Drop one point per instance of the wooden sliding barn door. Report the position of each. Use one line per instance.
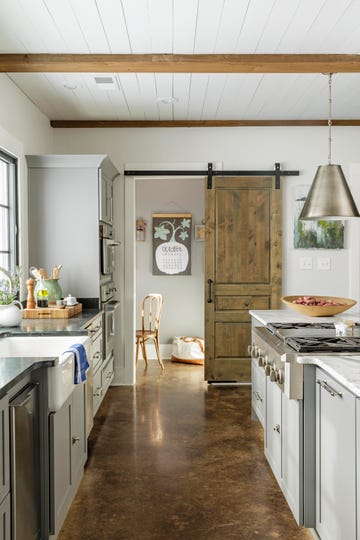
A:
(242, 269)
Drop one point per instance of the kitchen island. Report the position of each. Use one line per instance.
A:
(308, 402)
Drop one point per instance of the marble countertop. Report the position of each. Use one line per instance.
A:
(287, 315)
(47, 327)
(344, 368)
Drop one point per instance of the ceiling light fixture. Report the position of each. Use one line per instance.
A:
(169, 100)
(329, 196)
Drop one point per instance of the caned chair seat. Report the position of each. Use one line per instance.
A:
(150, 323)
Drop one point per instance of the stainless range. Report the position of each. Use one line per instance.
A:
(277, 345)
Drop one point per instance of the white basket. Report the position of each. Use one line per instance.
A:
(188, 349)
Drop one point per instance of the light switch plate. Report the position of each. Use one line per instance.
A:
(306, 263)
(324, 263)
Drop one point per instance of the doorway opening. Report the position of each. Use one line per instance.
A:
(183, 309)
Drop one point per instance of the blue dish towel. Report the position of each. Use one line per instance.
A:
(81, 362)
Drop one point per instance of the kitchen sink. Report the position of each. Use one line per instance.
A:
(61, 375)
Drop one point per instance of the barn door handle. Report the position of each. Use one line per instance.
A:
(209, 282)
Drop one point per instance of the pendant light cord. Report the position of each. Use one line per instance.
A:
(330, 117)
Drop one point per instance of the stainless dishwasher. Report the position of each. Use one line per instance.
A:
(25, 495)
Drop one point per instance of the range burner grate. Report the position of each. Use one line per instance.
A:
(319, 344)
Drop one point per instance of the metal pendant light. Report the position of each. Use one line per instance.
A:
(329, 196)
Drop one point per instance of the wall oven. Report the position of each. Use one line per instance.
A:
(107, 249)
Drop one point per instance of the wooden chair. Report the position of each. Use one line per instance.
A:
(150, 323)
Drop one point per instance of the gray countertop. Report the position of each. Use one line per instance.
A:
(47, 327)
(14, 369)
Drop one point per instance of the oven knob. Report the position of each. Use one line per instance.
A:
(280, 376)
(267, 369)
(273, 375)
(261, 361)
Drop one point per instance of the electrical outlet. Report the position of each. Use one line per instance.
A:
(324, 263)
(306, 263)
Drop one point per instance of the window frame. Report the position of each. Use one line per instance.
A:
(12, 207)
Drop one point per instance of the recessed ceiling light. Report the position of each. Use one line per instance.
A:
(70, 87)
(105, 83)
(167, 100)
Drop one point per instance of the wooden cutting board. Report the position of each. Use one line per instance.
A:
(52, 312)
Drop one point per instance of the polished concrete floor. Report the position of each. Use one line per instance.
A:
(175, 459)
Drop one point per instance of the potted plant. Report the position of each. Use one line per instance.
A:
(10, 307)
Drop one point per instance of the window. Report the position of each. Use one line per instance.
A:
(8, 211)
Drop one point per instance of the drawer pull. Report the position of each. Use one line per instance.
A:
(96, 355)
(258, 397)
(277, 428)
(94, 330)
(334, 393)
(75, 439)
(110, 374)
(98, 391)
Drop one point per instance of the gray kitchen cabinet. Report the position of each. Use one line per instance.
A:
(95, 360)
(4, 448)
(67, 192)
(68, 452)
(335, 460)
(5, 518)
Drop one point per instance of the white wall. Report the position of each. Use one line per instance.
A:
(183, 295)
(300, 148)
(23, 130)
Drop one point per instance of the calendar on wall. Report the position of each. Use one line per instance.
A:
(171, 244)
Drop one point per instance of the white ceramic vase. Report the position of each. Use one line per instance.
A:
(10, 314)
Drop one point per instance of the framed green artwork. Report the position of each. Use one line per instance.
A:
(321, 234)
(171, 244)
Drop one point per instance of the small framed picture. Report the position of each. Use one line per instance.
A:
(199, 233)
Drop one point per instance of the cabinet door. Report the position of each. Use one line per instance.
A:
(273, 427)
(107, 374)
(97, 390)
(335, 460)
(5, 519)
(78, 431)
(258, 391)
(292, 455)
(4, 448)
(60, 465)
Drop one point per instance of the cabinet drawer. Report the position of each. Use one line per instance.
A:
(108, 374)
(96, 352)
(94, 327)
(97, 391)
(5, 517)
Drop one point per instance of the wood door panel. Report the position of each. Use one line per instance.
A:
(243, 263)
(243, 242)
(224, 370)
(232, 339)
(231, 303)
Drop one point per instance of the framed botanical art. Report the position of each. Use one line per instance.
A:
(171, 244)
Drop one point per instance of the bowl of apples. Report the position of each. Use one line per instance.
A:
(318, 306)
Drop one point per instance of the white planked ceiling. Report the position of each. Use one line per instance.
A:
(184, 27)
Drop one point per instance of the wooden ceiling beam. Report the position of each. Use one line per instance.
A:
(180, 63)
(195, 123)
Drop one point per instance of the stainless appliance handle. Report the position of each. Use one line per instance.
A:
(334, 393)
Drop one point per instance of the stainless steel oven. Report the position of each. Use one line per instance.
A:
(108, 249)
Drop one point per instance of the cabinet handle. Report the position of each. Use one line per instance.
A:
(94, 330)
(110, 374)
(258, 397)
(277, 428)
(334, 393)
(96, 355)
(98, 391)
(209, 282)
(75, 439)
(250, 350)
